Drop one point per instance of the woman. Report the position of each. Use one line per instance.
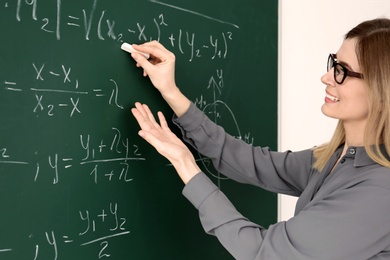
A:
(343, 186)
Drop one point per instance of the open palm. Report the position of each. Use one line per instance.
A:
(159, 135)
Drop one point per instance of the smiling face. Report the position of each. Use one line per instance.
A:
(347, 101)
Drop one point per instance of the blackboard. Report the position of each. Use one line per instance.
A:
(76, 181)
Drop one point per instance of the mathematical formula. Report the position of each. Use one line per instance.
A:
(108, 220)
(95, 24)
(58, 92)
(64, 86)
(121, 151)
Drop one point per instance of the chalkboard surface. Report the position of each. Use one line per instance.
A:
(76, 181)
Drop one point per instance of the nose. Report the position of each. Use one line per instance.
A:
(328, 78)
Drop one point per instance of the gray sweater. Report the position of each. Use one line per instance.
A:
(340, 215)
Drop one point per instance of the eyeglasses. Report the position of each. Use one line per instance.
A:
(340, 71)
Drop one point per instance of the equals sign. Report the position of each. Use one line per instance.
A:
(98, 92)
(67, 160)
(67, 240)
(11, 84)
(75, 19)
(63, 105)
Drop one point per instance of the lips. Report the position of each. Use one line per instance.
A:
(332, 98)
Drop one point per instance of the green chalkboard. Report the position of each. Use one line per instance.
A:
(76, 181)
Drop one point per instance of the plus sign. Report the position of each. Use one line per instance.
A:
(103, 215)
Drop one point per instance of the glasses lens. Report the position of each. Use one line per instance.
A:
(339, 73)
(330, 63)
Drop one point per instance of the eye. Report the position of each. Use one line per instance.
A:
(339, 69)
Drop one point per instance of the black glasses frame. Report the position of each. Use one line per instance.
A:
(332, 62)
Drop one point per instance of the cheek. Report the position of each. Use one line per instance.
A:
(359, 104)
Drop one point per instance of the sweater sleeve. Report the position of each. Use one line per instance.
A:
(336, 228)
(287, 172)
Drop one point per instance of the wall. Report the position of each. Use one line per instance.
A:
(308, 32)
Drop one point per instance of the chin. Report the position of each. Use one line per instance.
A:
(328, 112)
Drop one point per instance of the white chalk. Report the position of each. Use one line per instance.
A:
(127, 47)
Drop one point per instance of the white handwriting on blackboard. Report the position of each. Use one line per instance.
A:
(107, 221)
(214, 110)
(184, 40)
(67, 86)
(120, 150)
(59, 91)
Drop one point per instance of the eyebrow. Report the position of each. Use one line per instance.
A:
(343, 63)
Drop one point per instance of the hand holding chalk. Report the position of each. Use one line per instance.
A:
(160, 68)
(161, 71)
(127, 47)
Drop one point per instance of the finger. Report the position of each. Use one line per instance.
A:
(141, 60)
(147, 121)
(154, 48)
(150, 116)
(142, 120)
(141, 109)
(163, 121)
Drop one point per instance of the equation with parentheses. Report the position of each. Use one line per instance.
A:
(97, 20)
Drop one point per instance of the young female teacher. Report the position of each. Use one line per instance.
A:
(343, 211)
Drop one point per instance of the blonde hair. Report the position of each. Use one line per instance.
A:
(373, 53)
